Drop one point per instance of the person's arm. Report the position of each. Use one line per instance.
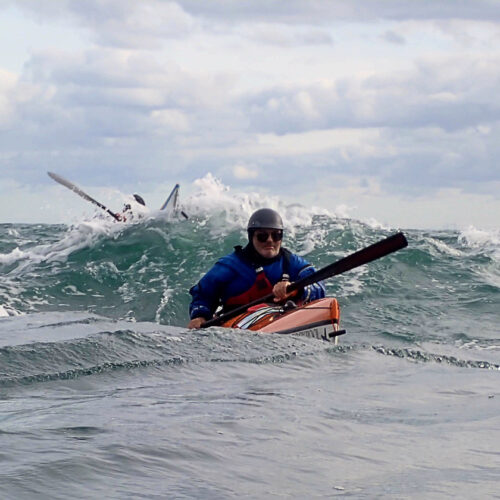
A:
(207, 294)
(300, 269)
(202, 305)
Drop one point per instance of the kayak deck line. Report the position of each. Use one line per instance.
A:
(318, 319)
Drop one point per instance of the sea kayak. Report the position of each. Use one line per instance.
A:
(318, 319)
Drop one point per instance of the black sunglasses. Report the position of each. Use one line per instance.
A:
(263, 236)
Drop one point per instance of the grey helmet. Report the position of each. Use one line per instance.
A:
(265, 218)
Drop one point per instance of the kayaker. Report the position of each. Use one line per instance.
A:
(261, 267)
(127, 209)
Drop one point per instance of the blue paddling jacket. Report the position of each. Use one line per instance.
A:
(244, 275)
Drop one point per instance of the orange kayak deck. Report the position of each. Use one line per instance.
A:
(318, 319)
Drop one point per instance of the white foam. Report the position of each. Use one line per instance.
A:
(13, 256)
(486, 242)
(165, 299)
(492, 278)
(352, 282)
(6, 311)
(375, 224)
(442, 247)
(77, 237)
(474, 238)
(232, 209)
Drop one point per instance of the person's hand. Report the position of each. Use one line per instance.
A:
(279, 291)
(196, 323)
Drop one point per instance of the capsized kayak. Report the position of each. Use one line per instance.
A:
(172, 202)
(319, 319)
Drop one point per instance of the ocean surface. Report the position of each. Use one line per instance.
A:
(105, 394)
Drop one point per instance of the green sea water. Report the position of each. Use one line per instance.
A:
(104, 393)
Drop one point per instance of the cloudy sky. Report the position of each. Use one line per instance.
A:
(388, 107)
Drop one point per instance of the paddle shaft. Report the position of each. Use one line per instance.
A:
(79, 192)
(359, 258)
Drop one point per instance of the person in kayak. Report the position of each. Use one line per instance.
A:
(262, 267)
(127, 209)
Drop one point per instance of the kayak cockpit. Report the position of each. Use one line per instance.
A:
(318, 319)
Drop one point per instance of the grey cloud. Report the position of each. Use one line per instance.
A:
(318, 11)
(99, 110)
(115, 117)
(122, 115)
(130, 24)
(450, 94)
(416, 163)
(393, 37)
(439, 125)
(430, 159)
(285, 36)
(146, 24)
(113, 78)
